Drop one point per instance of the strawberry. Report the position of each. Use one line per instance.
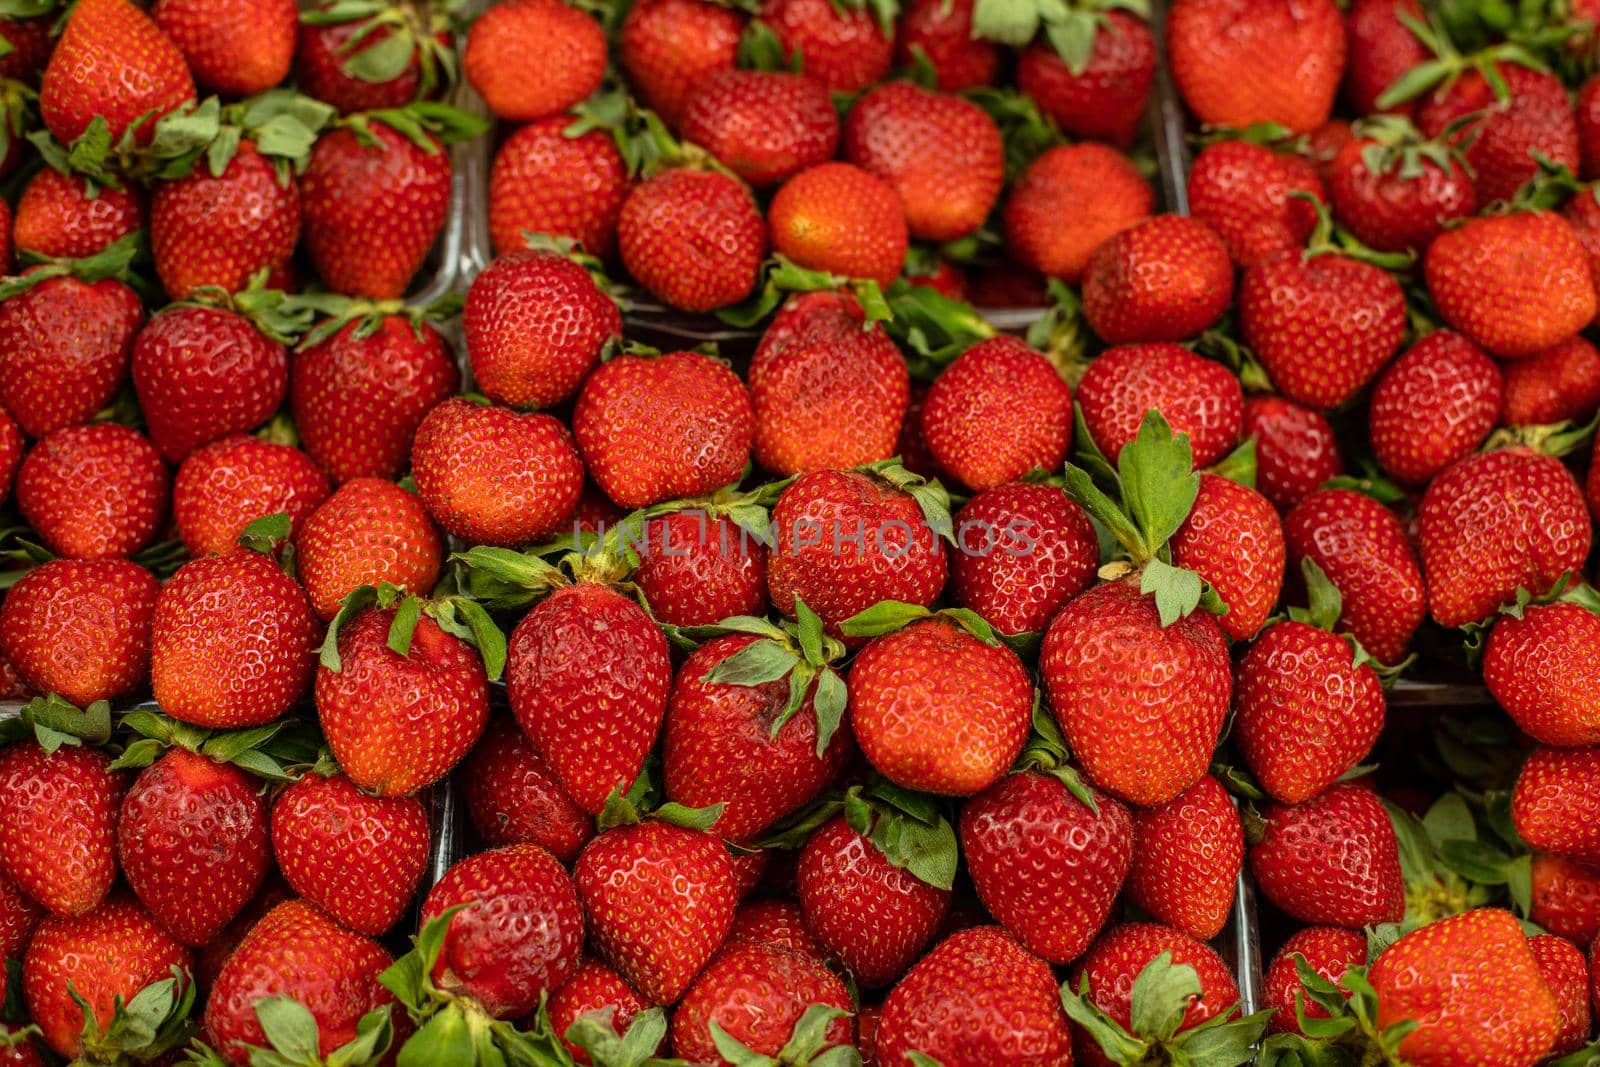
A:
(1566, 975)
(1566, 898)
(208, 960)
(80, 628)
(1069, 200)
(65, 216)
(192, 838)
(223, 487)
(30, 41)
(997, 412)
(358, 857)
(841, 219)
(1333, 859)
(545, 180)
(1242, 191)
(1100, 93)
(231, 642)
(11, 446)
(697, 568)
(828, 391)
(1554, 804)
(1393, 190)
(1558, 384)
(96, 963)
(941, 154)
(1530, 113)
(942, 32)
(1047, 863)
(358, 397)
(777, 924)
(111, 62)
(371, 56)
(495, 476)
(977, 998)
(1516, 284)
(594, 987)
(872, 916)
(513, 796)
(369, 532)
(1024, 550)
(1362, 548)
(1382, 48)
(296, 951)
(1432, 406)
(1187, 854)
(373, 200)
(401, 699)
(765, 126)
(58, 824)
(234, 48)
(759, 995)
(530, 59)
(629, 876)
(1539, 663)
(1329, 951)
(19, 915)
(1588, 117)
(1251, 61)
(1495, 522)
(1163, 279)
(1232, 538)
(693, 238)
(93, 492)
(846, 47)
(669, 47)
(1197, 397)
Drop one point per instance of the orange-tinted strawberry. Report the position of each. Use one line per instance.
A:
(942, 31)
(757, 994)
(546, 181)
(530, 59)
(491, 475)
(697, 568)
(594, 987)
(1394, 191)
(1566, 898)
(80, 628)
(369, 532)
(844, 46)
(342, 55)
(1556, 803)
(1382, 48)
(1542, 664)
(1242, 191)
(1232, 538)
(1197, 397)
(1558, 384)
(1249, 61)
(693, 238)
(1187, 854)
(114, 63)
(996, 413)
(1069, 200)
(1535, 117)
(838, 218)
(223, 487)
(1164, 279)
(1330, 951)
(1566, 975)
(668, 47)
(236, 47)
(1332, 859)
(65, 216)
(1102, 95)
(1022, 551)
(513, 797)
(765, 126)
(1432, 406)
(93, 492)
(64, 346)
(58, 824)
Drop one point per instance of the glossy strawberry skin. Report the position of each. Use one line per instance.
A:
(1331, 860)
(1566, 975)
(1232, 538)
(839, 218)
(696, 569)
(1023, 551)
(1391, 210)
(111, 61)
(58, 818)
(322, 53)
(1433, 405)
(18, 917)
(943, 32)
(97, 491)
(1187, 855)
(1242, 190)
(1330, 951)
(514, 797)
(1555, 805)
(64, 349)
(1164, 279)
(778, 923)
(1536, 116)
(668, 47)
(843, 48)
(1543, 667)
(1106, 99)
(544, 181)
(1566, 898)
(757, 993)
(236, 47)
(57, 217)
(693, 238)
(1197, 397)
(1067, 202)
(224, 486)
(1558, 384)
(368, 532)
(531, 59)
(765, 126)
(80, 628)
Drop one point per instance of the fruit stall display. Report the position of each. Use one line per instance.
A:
(799, 532)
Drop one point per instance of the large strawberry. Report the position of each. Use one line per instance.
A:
(841, 219)
(1540, 663)
(58, 824)
(1196, 396)
(670, 47)
(369, 532)
(1242, 190)
(374, 55)
(1232, 538)
(94, 492)
(1067, 201)
(80, 628)
(223, 487)
(112, 62)
(1097, 88)
(1333, 859)
(1023, 551)
(1186, 859)
(513, 797)
(547, 181)
(768, 999)
(1253, 61)
(845, 46)
(234, 47)
(765, 126)
(1164, 279)
(530, 59)
(694, 238)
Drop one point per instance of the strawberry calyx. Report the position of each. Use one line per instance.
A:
(1563, 591)
(1556, 439)
(931, 328)
(912, 830)
(1370, 483)
(1062, 333)
(571, 248)
(932, 498)
(1162, 994)
(1328, 238)
(282, 123)
(635, 806)
(414, 31)
(781, 276)
(1324, 606)
(17, 101)
(1069, 28)
(1218, 343)
(367, 315)
(1449, 863)
(1449, 63)
(425, 123)
(114, 261)
(53, 721)
(144, 1028)
(273, 312)
(1046, 752)
(279, 751)
(807, 1046)
(1026, 133)
(460, 616)
(641, 137)
(1348, 1034)
(1397, 147)
(596, 1034)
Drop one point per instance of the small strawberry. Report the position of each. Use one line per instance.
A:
(1433, 406)
(1069, 200)
(530, 59)
(1566, 898)
(1187, 855)
(1393, 190)
(1251, 61)
(1333, 859)
(1242, 191)
(1542, 664)
(594, 987)
(223, 487)
(93, 492)
(19, 916)
(1556, 803)
(941, 30)
(1232, 538)
(544, 180)
(1164, 279)
(766, 999)
(369, 532)
(1098, 92)
(111, 62)
(1024, 550)
(669, 47)
(58, 824)
(1197, 396)
(1558, 384)
(80, 628)
(697, 568)
(841, 219)
(235, 47)
(1566, 975)
(1329, 951)
(846, 47)
(1528, 112)
(513, 796)
(694, 238)
(775, 923)
(765, 126)
(66, 216)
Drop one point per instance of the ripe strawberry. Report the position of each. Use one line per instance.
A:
(111, 62)
(530, 59)
(11, 446)
(765, 126)
(546, 181)
(1433, 406)
(1069, 200)
(594, 987)
(827, 390)
(1024, 551)
(1556, 803)
(1381, 49)
(1497, 521)
(628, 877)
(845, 47)
(1516, 284)
(1241, 190)
(1164, 279)
(1394, 190)
(587, 673)
(693, 238)
(1101, 94)
(337, 51)
(1566, 898)
(369, 532)
(58, 824)
(65, 216)
(757, 994)
(231, 642)
(669, 47)
(93, 492)
(1330, 951)
(1046, 863)
(223, 487)
(105, 957)
(491, 475)
(19, 915)
(841, 219)
(1333, 859)
(80, 628)
(1536, 117)
(977, 998)
(1232, 538)
(697, 568)
(372, 203)
(513, 797)
(358, 398)
(1449, 978)
(1558, 384)
(996, 413)
(1542, 664)
(234, 48)
(774, 923)
(208, 960)
(30, 41)
(1251, 61)
(1187, 854)
(1197, 397)
(871, 916)
(1588, 114)
(297, 951)
(1566, 975)
(942, 31)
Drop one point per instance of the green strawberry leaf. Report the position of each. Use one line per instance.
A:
(1010, 22)
(1325, 602)
(1239, 465)
(1161, 994)
(884, 617)
(830, 701)
(757, 663)
(1159, 485)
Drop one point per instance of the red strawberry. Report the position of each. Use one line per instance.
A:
(693, 238)
(1330, 951)
(1566, 898)
(530, 59)
(231, 642)
(359, 857)
(1382, 48)
(977, 998)
(337, 50)
(11, 445)
(1249, 61)
(236, 47)
(839, 218)
(776, 923)
(1046, 863)
(1232, 538)
(1566, 975)
(1241, 190)
(1556, 803)
(1535, 117)
(669, 47)
(1433, 406)
(223, 487)
(495, 476)
(845, 47)
(1100, 94)
(942, 31)
(65, 216)
(1069, 200)
(58, 824)
(1333, 859)
(1542, 664)
(630, 876)
(111, 62)
(1588, 114)
(93, 492)
(18, 917)
(1394, 190)
(513, 797)
(80, 628)
(547, 181)
(757, 995)
(1164, 279)
(594, 987)
(1197, 397)
(369, 532)
(1187, 854)
(697, 568)
(1558, 384)
(1024, 550)
(765, 126)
